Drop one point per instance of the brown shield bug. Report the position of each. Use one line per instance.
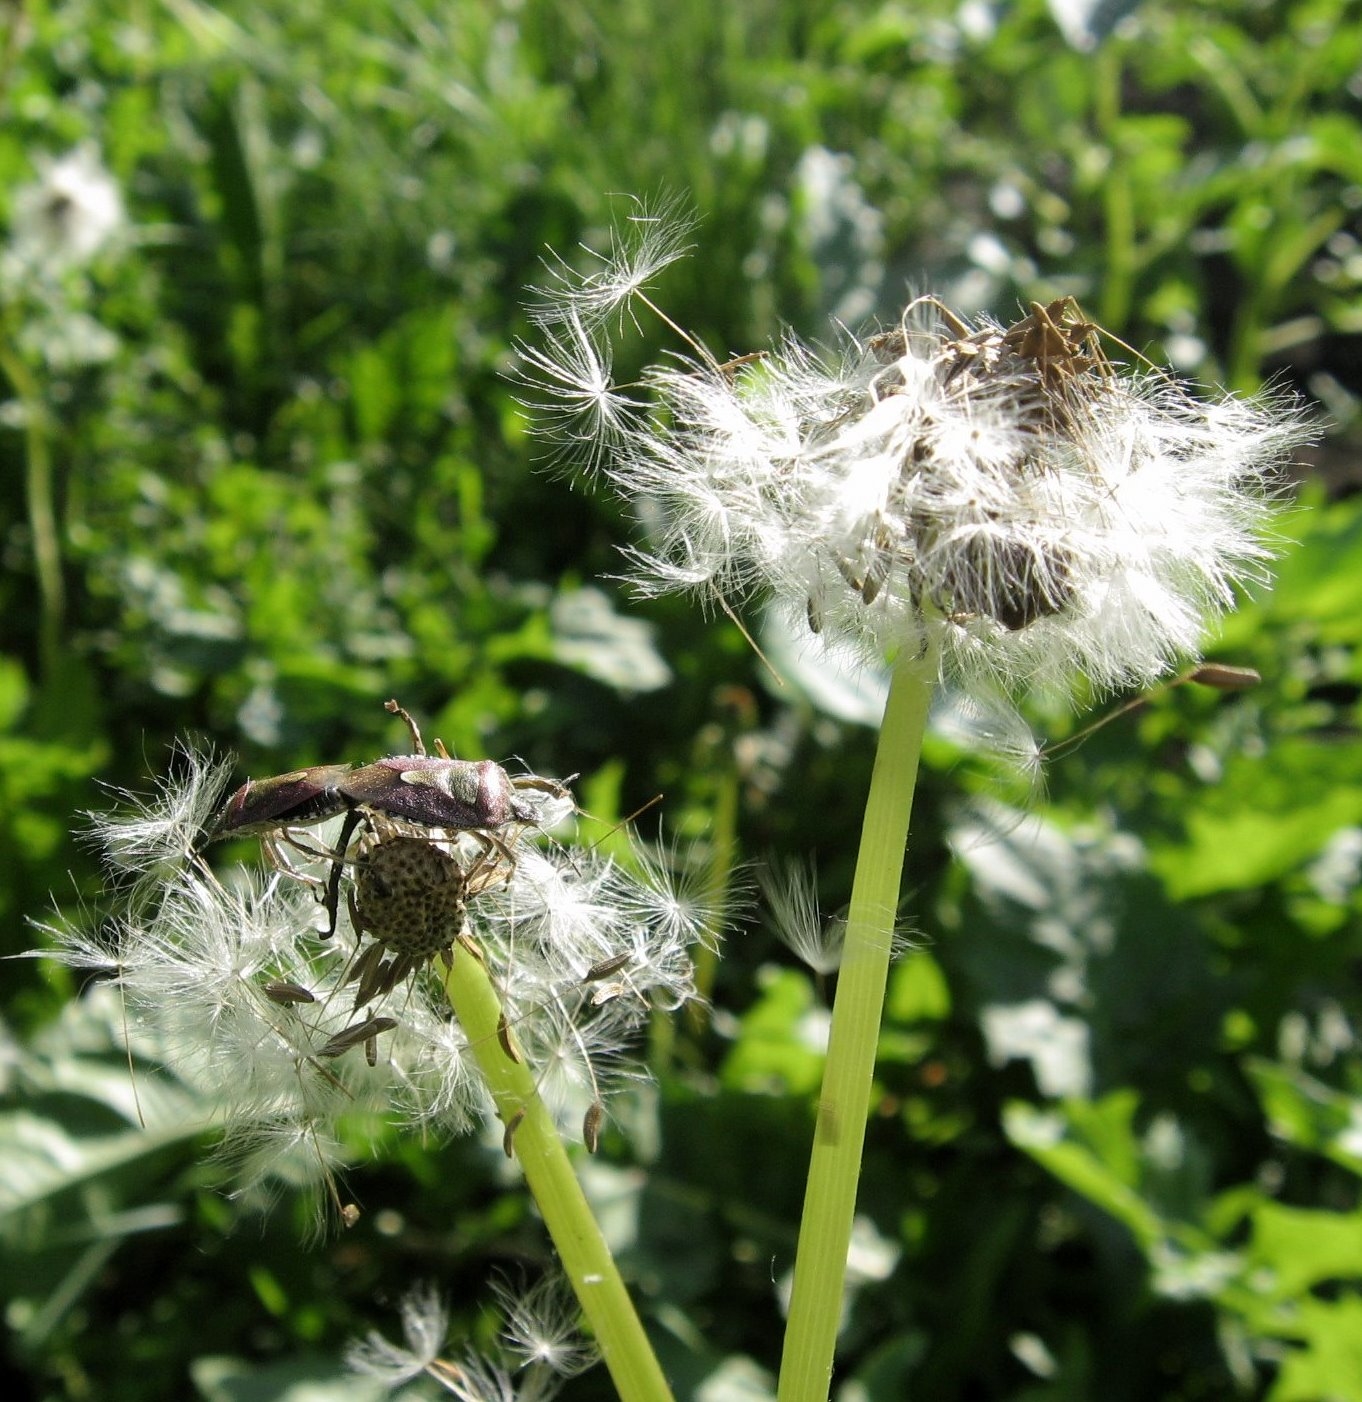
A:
(435, 793)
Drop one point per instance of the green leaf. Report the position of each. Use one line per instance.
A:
(918, 991)
(1309, 1114)
(1267, 816)
(43, 1160)
(1092, 1149)
(1329, 1369)
(1303, 1248)
(375, 394)
(303, 1379)
(1319, 581)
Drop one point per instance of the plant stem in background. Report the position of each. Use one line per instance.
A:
(42, 513)
(1118, 203)
(839, 1135)
(582, 1248)
(723, 849)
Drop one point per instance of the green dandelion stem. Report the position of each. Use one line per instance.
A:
(839, 1134)
(533, 1138)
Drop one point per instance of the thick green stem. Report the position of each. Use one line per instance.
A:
(839, 1135)
(533, 1138)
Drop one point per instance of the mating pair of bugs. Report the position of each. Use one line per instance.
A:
(405, 820)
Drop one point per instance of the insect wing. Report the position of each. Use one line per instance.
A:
(439, 793)
(304, 796)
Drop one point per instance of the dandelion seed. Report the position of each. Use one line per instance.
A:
(477, 1379)
(580, 408)
(151, 838)
(668, 892)
(425, 1323)
(542, 1325)
(791, 891)
(541, 1329)
(655, 235)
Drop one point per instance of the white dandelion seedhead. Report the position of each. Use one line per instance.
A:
(1000, 493)
(67, 216)
(295, 1035)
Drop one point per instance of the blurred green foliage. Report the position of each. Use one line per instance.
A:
(1118, 1137)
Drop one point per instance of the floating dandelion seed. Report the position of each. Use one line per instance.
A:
(791, 891)
(425, 1323)
(653, 237)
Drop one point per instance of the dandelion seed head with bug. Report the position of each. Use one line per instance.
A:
(1003, 494)
(296, 1037)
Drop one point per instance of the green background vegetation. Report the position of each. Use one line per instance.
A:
(298, 482)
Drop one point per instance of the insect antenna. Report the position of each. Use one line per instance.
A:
(418, 744)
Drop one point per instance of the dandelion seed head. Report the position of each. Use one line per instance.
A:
(1043, 519)
(294, 1034)
(65, 217)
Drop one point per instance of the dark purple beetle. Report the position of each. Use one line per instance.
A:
(432, 791)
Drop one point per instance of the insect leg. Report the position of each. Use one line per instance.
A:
(352, 820)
